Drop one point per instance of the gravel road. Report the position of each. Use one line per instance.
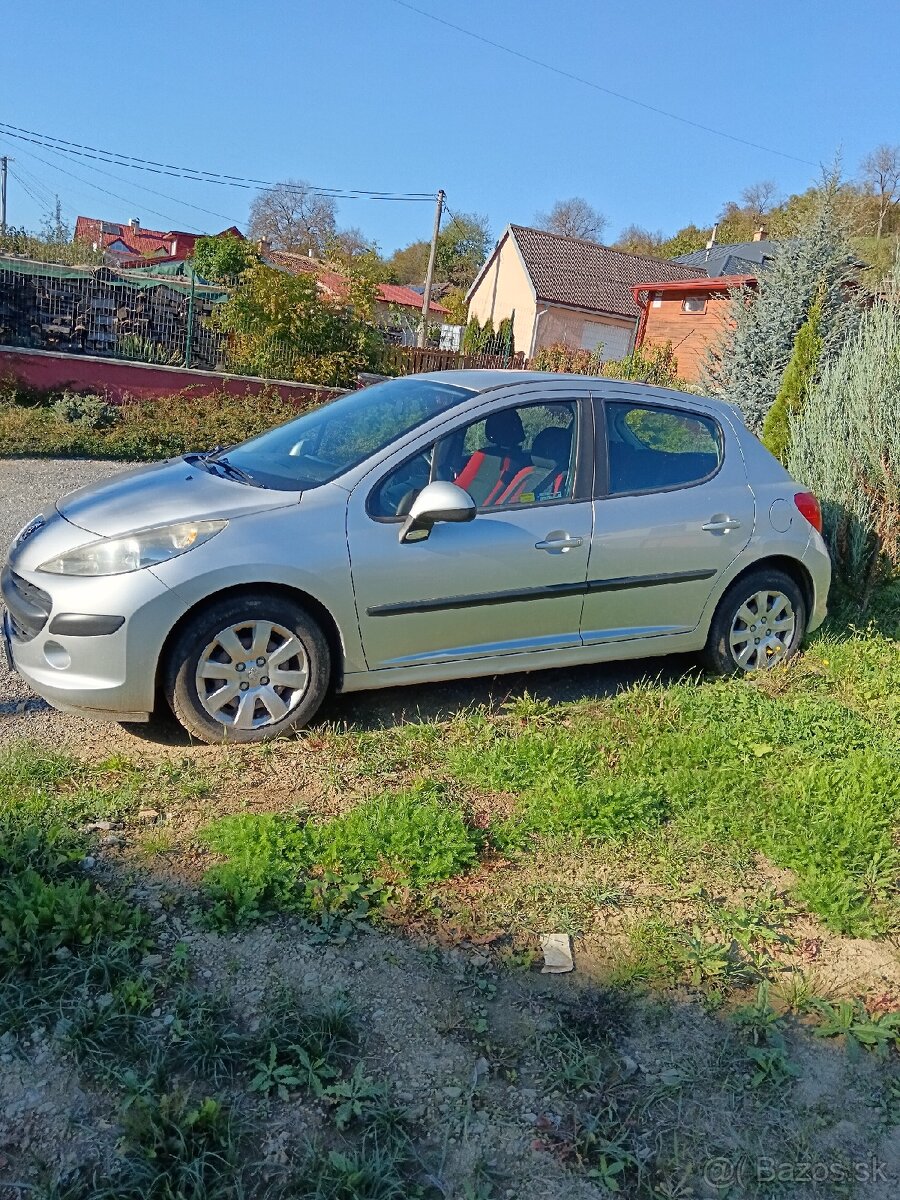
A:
(28, 485)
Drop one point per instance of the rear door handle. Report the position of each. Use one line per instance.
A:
(559, 543)
(721, 525)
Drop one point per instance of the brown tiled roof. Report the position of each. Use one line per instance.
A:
(586, 275)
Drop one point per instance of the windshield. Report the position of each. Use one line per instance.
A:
(324, 443)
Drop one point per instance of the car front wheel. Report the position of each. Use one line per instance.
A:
(760, 622)
(247, 668)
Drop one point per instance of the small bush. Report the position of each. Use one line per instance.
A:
(90, 411)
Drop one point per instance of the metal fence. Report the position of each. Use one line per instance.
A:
(160, 315)
(155, 318)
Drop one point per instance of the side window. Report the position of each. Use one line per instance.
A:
(653, 449)
(514, 456)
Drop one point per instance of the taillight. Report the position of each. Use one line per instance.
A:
(809, 506)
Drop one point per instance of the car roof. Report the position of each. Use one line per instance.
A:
(491, 379)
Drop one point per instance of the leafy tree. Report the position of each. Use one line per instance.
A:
(846, 447)
(223, 258)
(634, 239)
(798, 378)
(455, 303)
(463, 245)
(685, 241)
(410, 264)
(746, 366)
(280, 325)
(292, 216)
(574, 218)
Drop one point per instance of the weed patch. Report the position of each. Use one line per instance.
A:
(283, 863)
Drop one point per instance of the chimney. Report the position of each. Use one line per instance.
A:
(761, 234)
(134, 224)
(712, 236)
(264, 245)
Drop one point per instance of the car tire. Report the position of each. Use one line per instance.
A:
(759, 622)
(217, 675)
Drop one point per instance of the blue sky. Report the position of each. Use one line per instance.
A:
(367, 94)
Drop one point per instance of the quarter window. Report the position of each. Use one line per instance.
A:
(514, 456)
(654, 449)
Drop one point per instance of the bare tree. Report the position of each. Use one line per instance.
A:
(760, 198)
(350, 243)
(291, 216)
(573, 218)
(881, 175)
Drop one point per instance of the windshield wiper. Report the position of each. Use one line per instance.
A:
(214, 458)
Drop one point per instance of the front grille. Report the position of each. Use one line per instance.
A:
(28, 605)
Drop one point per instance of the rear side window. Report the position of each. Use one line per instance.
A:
(654, 449)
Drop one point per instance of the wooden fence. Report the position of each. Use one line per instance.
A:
(410, 360)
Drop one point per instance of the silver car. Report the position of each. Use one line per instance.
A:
(434, 527)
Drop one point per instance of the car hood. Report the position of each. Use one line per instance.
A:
(162, 494)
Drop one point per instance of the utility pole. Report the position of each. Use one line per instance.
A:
(4, 162)
(429, 275)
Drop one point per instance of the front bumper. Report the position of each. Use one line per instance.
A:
(109, 676)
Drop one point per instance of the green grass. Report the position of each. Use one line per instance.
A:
(276, 861)
(803, 766)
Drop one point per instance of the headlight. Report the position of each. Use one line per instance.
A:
(115, 556)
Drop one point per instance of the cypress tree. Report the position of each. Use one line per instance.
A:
(798, 378)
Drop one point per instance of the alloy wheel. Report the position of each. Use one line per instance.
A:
(252, 674)
(762, 630)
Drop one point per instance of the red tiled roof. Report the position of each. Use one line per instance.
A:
(584, 274)
(332, 281)
(141, 243)
(396, 293)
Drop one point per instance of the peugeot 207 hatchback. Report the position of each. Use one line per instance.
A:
(427, 528)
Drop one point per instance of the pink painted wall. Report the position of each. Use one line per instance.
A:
(117, 379)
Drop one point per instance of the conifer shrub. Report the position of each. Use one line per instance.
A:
(798, 377)
(846, 448)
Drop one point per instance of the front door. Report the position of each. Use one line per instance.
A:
(512, 580)
(676, 511)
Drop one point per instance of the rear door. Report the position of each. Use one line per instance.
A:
(673, 510)
(510, 581)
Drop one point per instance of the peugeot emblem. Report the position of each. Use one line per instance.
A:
(32, 527)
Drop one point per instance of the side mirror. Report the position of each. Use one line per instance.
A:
(439, 501)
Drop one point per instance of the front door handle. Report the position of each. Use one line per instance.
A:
(721, 525)
(558, 542)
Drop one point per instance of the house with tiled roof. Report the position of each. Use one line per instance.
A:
(565, 290)
(397, 307)
(130, 243)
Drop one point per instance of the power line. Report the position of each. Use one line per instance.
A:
(164, 195)
(196, 174)
(97, 188)
(546, 66)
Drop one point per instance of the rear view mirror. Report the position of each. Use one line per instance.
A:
(439, 501)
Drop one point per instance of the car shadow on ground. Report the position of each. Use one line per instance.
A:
(389, 707)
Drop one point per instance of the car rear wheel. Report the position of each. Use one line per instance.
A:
(760, 622)
(246, 669)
